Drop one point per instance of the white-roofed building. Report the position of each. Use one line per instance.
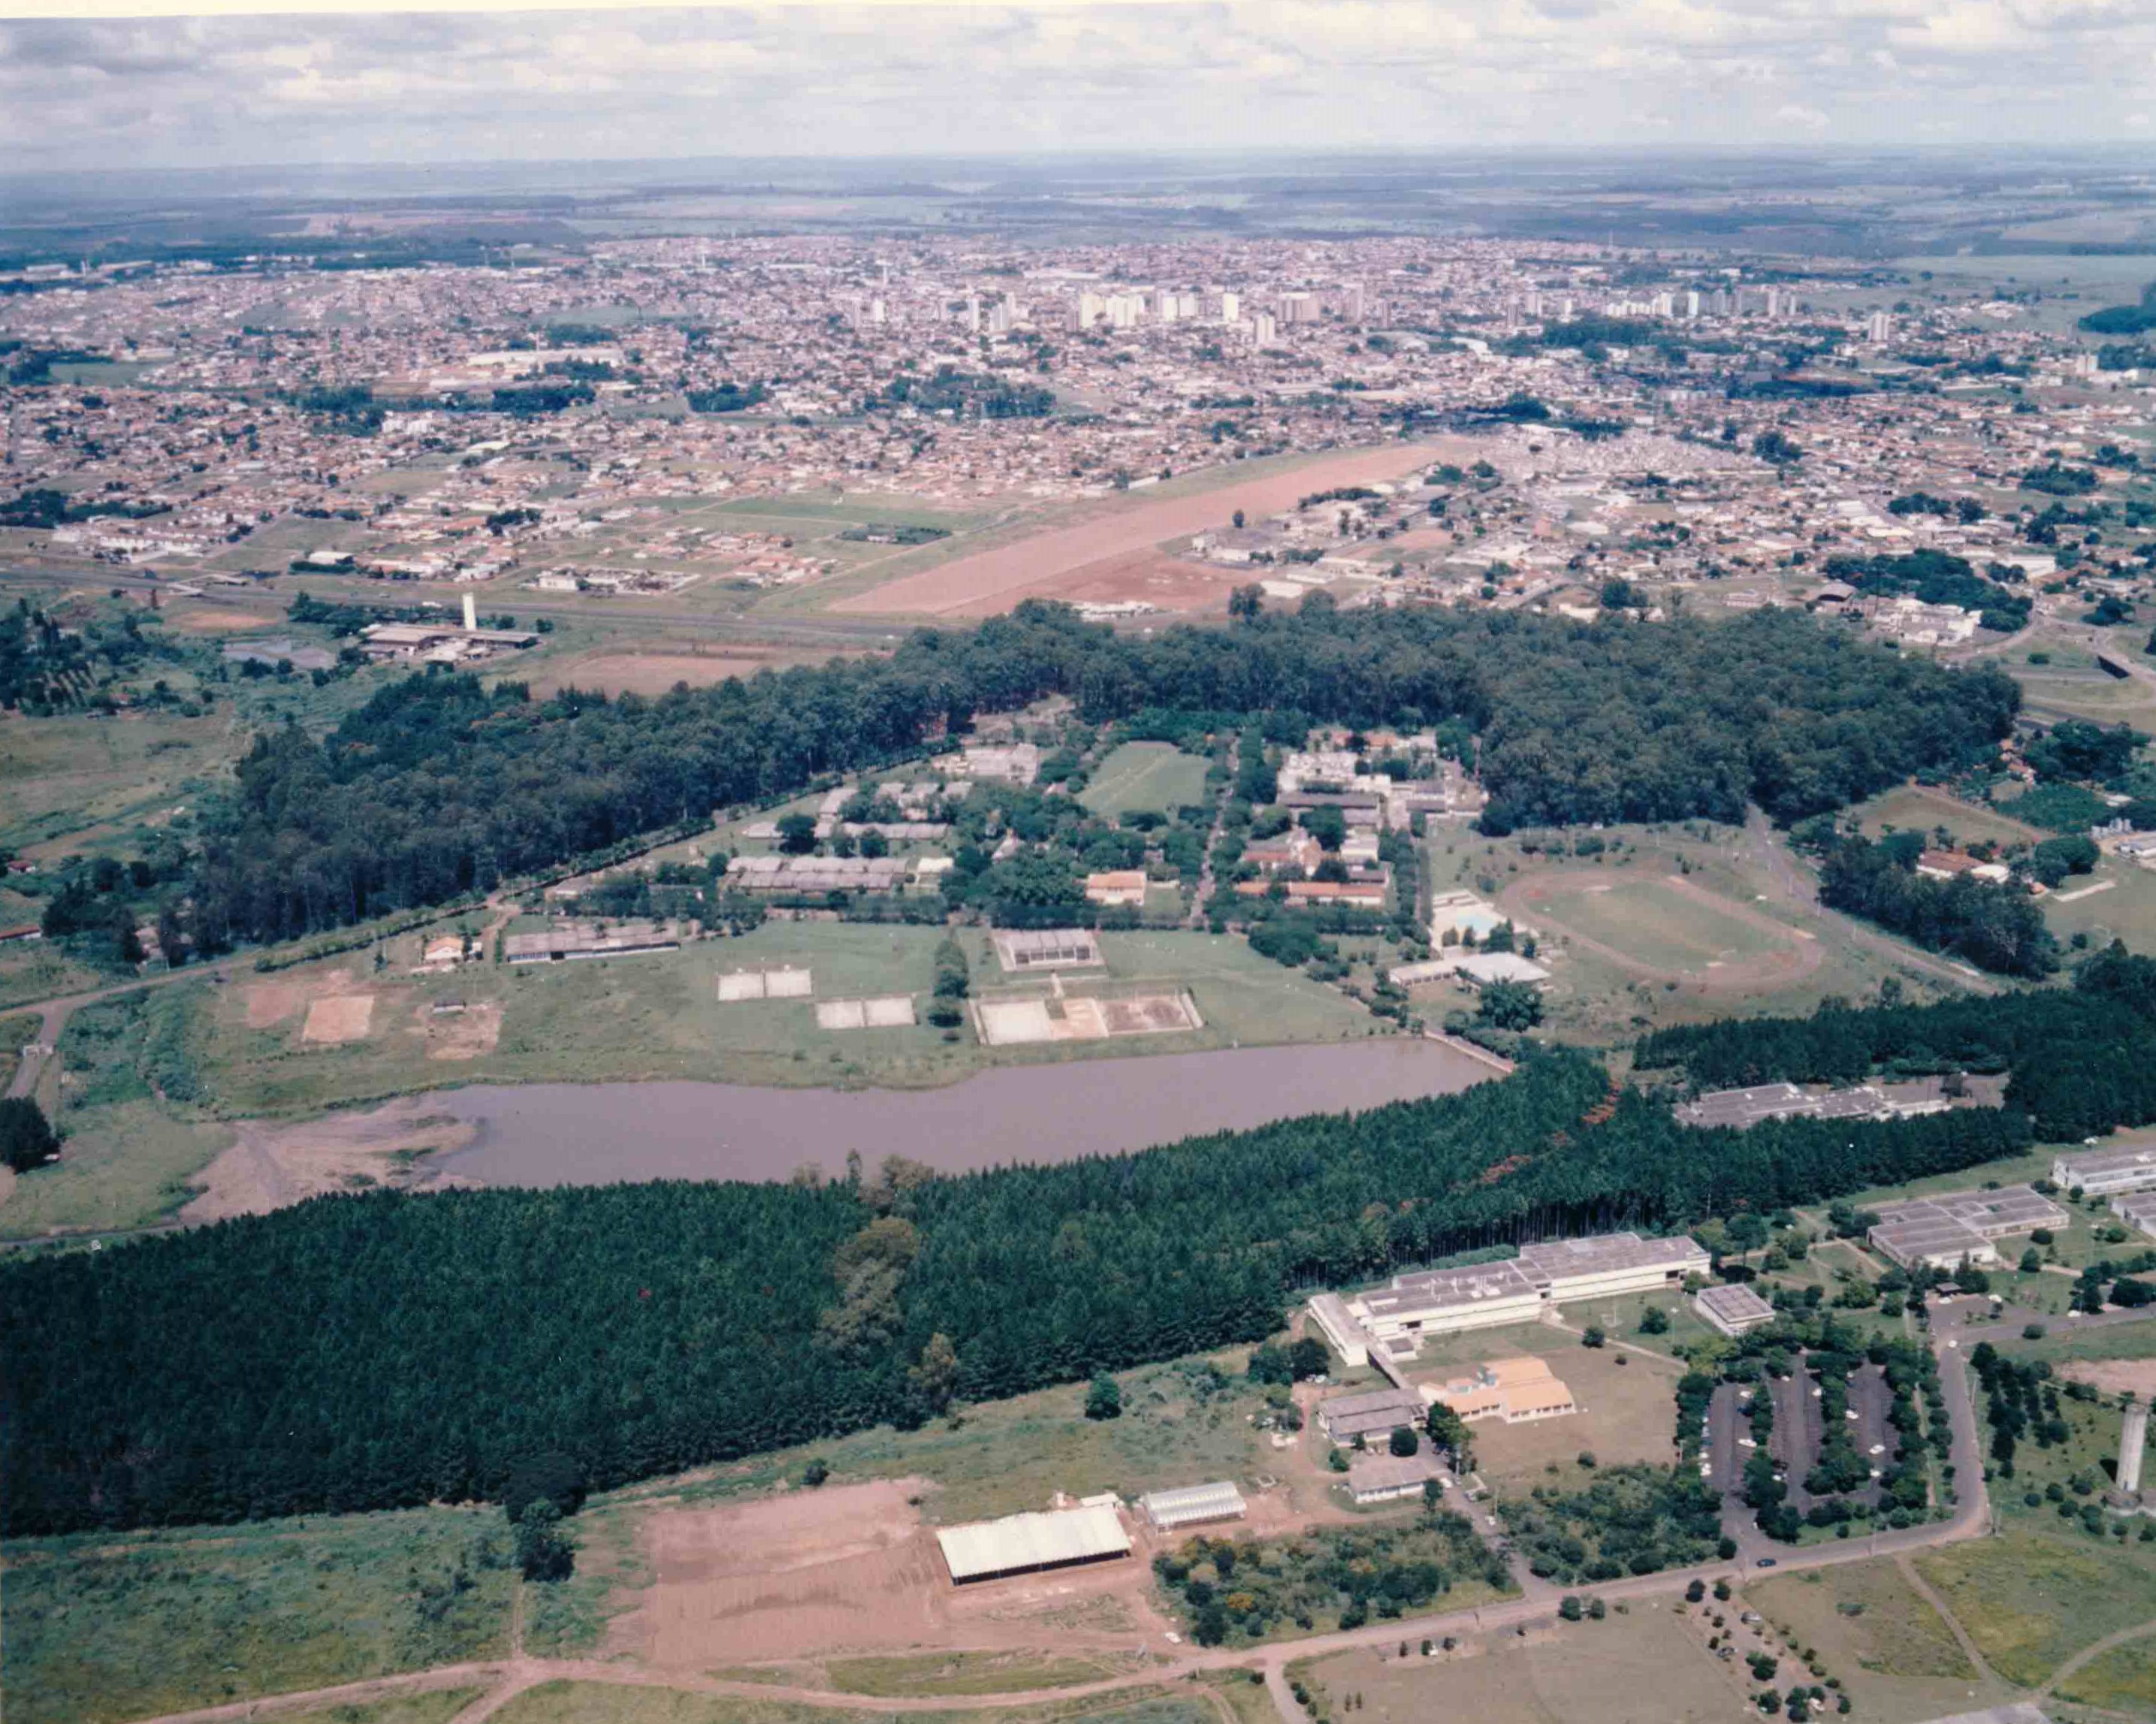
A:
(1192, 1505)
(1018, 1544)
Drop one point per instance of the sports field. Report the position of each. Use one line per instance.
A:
(1146, 775)
(1663, 927)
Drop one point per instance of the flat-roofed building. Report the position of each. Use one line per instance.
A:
(1192, 1505)
(2138, 1210)
(573, 939)
(1381, 1478)
(1487, 1296)
(1443, 1301)
(1950, 1227)
(1343, 1331)
(1605, 1266)
(1022, 1544)
(1732, 1309)
(1047, 949)
(2129, 1167)
(1377, 1413)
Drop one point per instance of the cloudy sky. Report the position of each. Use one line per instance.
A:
(321, 85)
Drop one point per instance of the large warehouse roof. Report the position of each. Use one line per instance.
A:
(1032, 1540)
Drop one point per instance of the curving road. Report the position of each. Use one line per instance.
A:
(505, 1679)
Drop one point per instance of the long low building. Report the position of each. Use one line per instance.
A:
(2130, 1167)
(1377, 1413)
(2138, 1210)
(1192, 1505)
(1022, 1544)
(1487, 1296)
(1948, 1229)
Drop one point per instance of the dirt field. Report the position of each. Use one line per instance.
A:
(629, 673)
(1116, 556)
(851, 1569)
(338, 1018)
(204, 621)
(269, 1004)
(461, 1035)
(2115, 1377)
(273, 1166)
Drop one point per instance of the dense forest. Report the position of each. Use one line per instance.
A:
(2083, 1060)
(374, 1350)
(1996, 927)
(438, 785)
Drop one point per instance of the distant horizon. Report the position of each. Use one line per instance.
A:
(1040, 81)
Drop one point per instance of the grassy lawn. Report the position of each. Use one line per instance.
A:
(964, 1673)
(1913, 807)
(606, 1703)
(1181, 1422)
(104, 1628)
(660, 1017)
(430, 1705)
(42, 969)
(2030, 1599)
(1895, 1654)
(1639, 1667)
(124, 1165)
(1653, 925)
(1627, 1408)
(2123, 1680)
(1145, 775)
(68, 778)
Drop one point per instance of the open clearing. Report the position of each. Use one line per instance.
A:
(1896, 1655)
(274, 1165)
(1146, 775)
(339, 1017)
(851, 1569)
(617, 672)
(103, 1627)
(1915, 808)
(611, 1703)
(1664, 928)
(2030, 1601)
(1054, 564)
(1642, 1668)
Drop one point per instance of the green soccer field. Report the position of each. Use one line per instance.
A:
(1146, 775)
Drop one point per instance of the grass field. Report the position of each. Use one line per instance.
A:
(124, 1165)
(69, 777)
(1641, 1668)
(100, 1627)
(1650, 922)
(429, 1705)
(2122, 1680)
(962, 1673)
(2031, 1600)
(1895, 1656)
(606, 1703)
(1595, 1000)
(1912, 808)
(1626, 1410)
(1146, 775)
(659, 1016)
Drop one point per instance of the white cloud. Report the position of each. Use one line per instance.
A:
(862, 79)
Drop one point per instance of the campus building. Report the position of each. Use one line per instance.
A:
(1949, 1229)
(1732, 1309)
(2129, 1167)
(1391, 1321)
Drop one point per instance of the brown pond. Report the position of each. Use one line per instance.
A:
(597, 1134)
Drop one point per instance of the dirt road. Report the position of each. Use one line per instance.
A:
(506, 1678)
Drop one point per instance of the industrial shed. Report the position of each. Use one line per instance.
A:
(1020, 1544)
(1193, 1504)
